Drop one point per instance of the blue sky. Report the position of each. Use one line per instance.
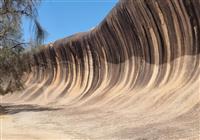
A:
(61, 18)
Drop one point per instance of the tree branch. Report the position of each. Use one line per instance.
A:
(23, 43)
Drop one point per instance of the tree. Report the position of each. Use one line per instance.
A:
(11, 44)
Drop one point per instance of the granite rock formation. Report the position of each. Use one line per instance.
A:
(142, 59)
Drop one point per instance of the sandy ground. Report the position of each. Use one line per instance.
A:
(33, 122)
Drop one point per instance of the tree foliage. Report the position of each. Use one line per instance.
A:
(12, 62)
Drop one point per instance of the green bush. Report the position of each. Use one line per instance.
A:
(12, 68)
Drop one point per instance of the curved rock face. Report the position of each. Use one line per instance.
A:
(142, 59)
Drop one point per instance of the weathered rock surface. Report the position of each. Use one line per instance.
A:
(139, 68)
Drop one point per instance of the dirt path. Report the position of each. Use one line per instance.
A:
(31, 122)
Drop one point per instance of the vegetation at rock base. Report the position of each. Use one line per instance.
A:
(12, 47)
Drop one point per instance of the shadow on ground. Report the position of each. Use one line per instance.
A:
(14, 109)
